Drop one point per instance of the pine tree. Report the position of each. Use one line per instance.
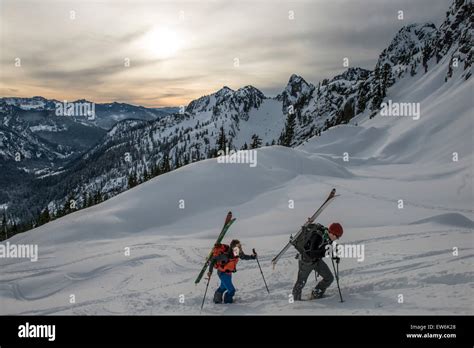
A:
(155, 170)
(288, 133)
(438, 55)
(362, 97)
(145, 175)
(377, 74)
(177, 161)
(90, 201)
(427, 50)
(221, 140)
(387, 79)
(132, 180)
(44, 217)
(165, 163)
(377, 100)
(14, 229)
(98, 197)
(256, 142)
(413, 69)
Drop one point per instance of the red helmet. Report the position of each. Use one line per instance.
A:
(336, 229)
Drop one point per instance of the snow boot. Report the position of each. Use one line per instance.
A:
(218, 297)
(316, 294)
(228, 298)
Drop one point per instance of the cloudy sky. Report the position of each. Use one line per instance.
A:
(167, 53)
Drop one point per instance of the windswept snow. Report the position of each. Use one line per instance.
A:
(449, 219)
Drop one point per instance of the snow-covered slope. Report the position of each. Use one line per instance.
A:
(444, 120)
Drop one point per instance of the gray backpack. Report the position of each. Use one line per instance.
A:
(311, 235)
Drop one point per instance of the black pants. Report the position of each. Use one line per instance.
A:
(304, 270)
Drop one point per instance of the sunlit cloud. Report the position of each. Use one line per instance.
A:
(161, 53)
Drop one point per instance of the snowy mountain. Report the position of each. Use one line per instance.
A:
(34, 103)
(36, 142)
(45, 137)
(106, 115)
(421, 249)
(332, 102)
(136, 150)
(193, 135)
(407, 46)
(297, 92)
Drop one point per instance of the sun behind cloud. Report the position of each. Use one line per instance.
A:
(161, 42)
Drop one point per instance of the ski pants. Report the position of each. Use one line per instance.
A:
(226, 287)
(304, 270)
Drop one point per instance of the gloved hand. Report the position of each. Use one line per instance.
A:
(254, 253)
(337, 259)
(209, 275)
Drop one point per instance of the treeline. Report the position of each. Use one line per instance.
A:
(9, 225)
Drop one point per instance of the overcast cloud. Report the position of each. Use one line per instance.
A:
(180, 50)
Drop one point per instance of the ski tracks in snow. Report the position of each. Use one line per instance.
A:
(161, 272)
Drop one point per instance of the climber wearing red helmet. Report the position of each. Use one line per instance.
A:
(335, 229)
(312, 248)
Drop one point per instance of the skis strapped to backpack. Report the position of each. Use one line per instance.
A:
(228, 222)
(330, 198)
(306, 241)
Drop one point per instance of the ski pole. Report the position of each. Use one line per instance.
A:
(336, 273)
(258, 263)
(205, 292)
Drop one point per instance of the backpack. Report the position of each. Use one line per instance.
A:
(310, 239)
(220, 249)
(230, 265)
